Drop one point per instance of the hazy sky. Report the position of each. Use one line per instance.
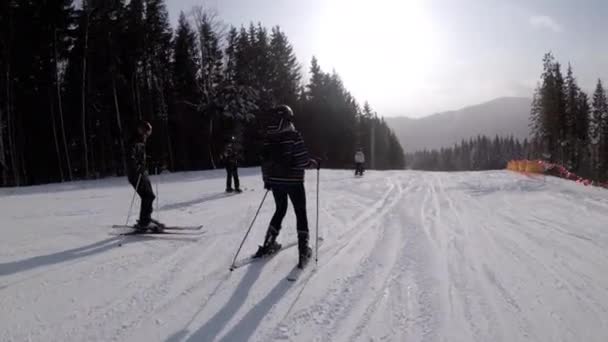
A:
(417, 57)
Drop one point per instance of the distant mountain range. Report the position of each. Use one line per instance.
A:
(503, 117)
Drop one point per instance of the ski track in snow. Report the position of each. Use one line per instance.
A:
(407, 256)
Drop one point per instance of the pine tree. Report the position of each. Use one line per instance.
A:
(116, 21)
(561, 121)
(550, 116)
(261, 60)
(599, 130)
(31, 80)
(186, 114)
(550, 120)
(157, 58)
(5, 9)
(571, 114)
(134, 53)
(94, 81)
(211, 76)
(284, 78)
(581, 128)
(231, 56)
(536, 120)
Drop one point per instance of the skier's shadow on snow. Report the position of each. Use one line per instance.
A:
(180, 205)
(244, 330)
(214, 326)
(15, 267)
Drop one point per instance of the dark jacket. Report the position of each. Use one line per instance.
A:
(136, 161)
(230, 157)
(284, 158)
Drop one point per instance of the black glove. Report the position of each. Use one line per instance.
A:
(314, 163)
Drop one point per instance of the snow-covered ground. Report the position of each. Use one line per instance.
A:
(407, 256)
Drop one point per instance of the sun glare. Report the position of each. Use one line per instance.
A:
(378, 46)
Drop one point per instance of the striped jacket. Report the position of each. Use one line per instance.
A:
(284, 158)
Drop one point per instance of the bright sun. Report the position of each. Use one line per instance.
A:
(378, 46)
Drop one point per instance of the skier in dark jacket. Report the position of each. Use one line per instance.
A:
(285, 158)
(138, 177)
(231, 157)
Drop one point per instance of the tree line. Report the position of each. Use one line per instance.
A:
(75, 80)
(481, 153)
(568, 127)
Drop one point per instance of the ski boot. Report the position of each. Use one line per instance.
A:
(270, 245)
(141, 228)
(238, 191)
(156, 227)
(152, 226)
(229, 190)
(305, 255)
(305, 252)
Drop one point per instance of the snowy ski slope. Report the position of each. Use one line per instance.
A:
(407, 256)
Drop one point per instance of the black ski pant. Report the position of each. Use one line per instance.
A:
(145, 192)
(232, 172)
(359, 169)
(297, 194)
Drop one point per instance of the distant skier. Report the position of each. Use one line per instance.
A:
(138, 177)
(284, 158)
(231, 158)
(359, 161)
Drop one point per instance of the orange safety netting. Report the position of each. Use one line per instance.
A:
(542, 167)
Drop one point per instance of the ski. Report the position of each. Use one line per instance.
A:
(251, 259)
(234, 192)
(145, 232)
(198, 227)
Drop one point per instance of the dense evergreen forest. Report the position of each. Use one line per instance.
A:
(75, 80)
(477, 154)
(568, 127)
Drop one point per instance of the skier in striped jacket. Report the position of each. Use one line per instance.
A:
(284, 159)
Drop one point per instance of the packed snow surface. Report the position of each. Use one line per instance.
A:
(407, 256)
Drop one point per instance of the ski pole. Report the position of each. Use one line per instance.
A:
(317, 242)
(133, 199)
(157, 196)
(248, 230)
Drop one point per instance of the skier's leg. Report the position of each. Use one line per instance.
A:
(138, 182)
(297, 194)
(270, 245)
(228, 178)
(280, 200)
(147, 198)
(235, 173)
